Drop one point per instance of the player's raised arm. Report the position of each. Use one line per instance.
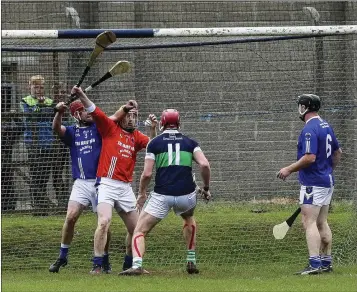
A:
(88, 104)
(123, 110)
(151, 122)
(104, 124)
(57, 126)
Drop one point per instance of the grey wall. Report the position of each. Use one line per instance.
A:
(248, 89)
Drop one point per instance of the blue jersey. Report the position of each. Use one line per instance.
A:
(85, 144)
(317, 137)
(173, 155)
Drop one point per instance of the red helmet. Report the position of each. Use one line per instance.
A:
(170, 118)
(76, 106)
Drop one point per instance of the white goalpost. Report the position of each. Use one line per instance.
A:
(186, 32)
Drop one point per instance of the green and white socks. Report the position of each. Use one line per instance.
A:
(191, 256)
(137, 262)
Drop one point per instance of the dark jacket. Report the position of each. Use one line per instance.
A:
(38, 122)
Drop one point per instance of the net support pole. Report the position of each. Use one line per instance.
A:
(315, 17)
(183, 32)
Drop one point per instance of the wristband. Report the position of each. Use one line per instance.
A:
(91, 108)
(206, 189)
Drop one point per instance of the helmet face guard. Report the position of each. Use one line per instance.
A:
(303, 110)
(130, 122)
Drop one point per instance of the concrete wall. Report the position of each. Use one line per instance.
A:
(236, 100)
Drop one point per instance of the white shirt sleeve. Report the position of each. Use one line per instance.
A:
(197, 149)
(150, 156)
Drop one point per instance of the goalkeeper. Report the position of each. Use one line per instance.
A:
(172, 153)
(318, 154)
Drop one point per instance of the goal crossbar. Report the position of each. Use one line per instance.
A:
(183, 32)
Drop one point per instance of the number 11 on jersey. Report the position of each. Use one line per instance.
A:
(173, 156)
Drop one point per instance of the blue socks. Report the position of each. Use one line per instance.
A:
(98, 261)
(106, 258)
(326, 260)
(63, 251)
(128, 262)
(318, 261)
(315, 261)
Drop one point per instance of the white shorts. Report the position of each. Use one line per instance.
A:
(318, 196)
(84, 192)
(116, 193)
(159, 205)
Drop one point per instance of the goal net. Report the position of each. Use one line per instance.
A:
(237, 98)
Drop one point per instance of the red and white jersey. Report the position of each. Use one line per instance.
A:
(119, 148)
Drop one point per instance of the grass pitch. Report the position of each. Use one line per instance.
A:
(220, 278)
(236, 252)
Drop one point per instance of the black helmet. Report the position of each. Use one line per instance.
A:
(311, 102)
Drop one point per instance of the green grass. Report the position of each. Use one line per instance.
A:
(236, 252)
(245, 278)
